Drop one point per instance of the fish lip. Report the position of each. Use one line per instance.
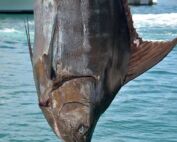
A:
(58, 82)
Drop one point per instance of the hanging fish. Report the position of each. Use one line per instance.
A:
(84, 52)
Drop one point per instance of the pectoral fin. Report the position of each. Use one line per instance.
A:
(146, 55)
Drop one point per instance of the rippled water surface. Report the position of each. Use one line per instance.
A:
(145, 110)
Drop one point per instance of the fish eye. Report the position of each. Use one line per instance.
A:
(82, 129)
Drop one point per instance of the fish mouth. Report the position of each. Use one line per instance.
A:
(58, 82)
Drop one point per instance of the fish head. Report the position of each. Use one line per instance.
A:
(72, 110)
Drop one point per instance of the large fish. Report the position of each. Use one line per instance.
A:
(84, 52)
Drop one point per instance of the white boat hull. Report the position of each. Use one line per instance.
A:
(16, 5)
(141, 2)
(10, 6)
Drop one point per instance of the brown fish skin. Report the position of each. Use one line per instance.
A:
(84, 52)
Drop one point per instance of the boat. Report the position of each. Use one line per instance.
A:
(142, 2)
(16, 6)
(26, 6)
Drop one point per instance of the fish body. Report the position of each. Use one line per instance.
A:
(84, 52)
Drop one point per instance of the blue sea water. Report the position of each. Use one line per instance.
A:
(145, 110)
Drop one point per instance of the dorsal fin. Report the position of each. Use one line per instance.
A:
(144, 54)
(132, 31)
